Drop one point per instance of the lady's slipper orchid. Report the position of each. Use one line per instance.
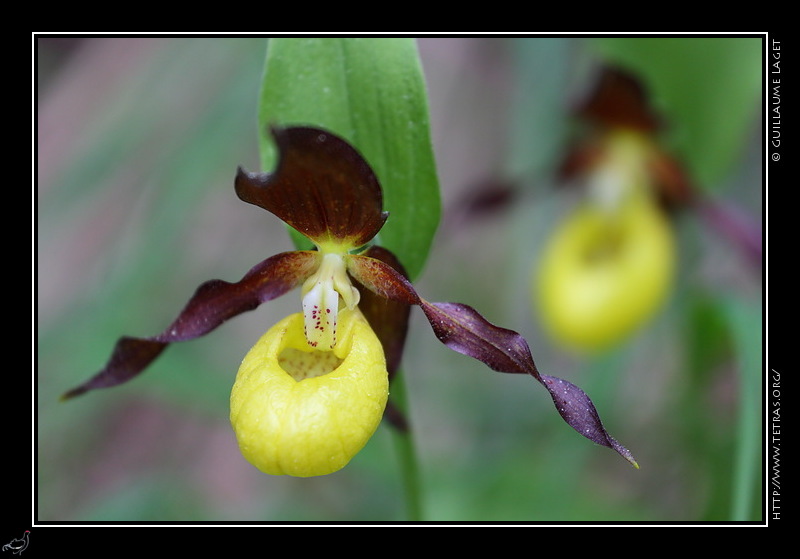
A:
(312, 390)
(609, 266)
(620, 150)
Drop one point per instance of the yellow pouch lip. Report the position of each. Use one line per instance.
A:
(316, 425)
(591, 307)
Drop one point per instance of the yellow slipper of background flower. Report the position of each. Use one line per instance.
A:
(306, 412)
(604, 273)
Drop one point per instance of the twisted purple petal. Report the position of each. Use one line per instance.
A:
(463, 329)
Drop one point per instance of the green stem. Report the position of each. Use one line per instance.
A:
(406, 453)
(746, 325)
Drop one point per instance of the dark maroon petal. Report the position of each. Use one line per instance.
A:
(213, 303)
(464, 330)
(671, 181)
(579, 412)
(321, 186)
(382, 279)
(579, 157)
(395, 416)
(388, 318)
(619, 100)
(130, 357)
(216, 301)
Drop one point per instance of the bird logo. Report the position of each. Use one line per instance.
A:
(18, 545)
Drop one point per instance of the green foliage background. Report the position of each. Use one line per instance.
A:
(138, 142)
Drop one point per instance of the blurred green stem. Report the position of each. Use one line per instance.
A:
(746, 325)
(406, 452)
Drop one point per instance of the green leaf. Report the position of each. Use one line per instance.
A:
(371, 92)
(706, 87)
(746, 323)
